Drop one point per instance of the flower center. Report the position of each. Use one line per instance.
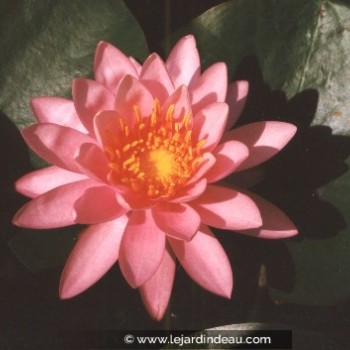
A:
(154, 155)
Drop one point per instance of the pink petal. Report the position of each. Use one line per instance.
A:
(108, 128)
(204, 259)
(111, 65)
(96, 251)
(229, 156)
(275, 223)
(237, 93)
(98, 204)
(181, 102)
(130, 94)
(227, 209)
(142, 248)
(155, 293)
(93, 162)
(264, 140)
(209, 124)
(56, 110)
(177, 220)
(54, 208)
(156, 78)
(183, 63)
(211, 87)
(89, 98)
(43, 180)
(191, 192)
(56, 144)
(136, 65)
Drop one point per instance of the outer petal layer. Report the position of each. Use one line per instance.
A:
(205, 261)
(237, 93)
(156, 78)
(183, 63)
(264, 140)
(111, 65)
(275, 223)
(56, 110)
(54, 208)
(142, 248)
(43, 180)
(227, 209)
(56, 144)
(156, 291)
(94, 254)
(211, 87)
(90, 98)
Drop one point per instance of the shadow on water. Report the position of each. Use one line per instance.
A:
(313, 158)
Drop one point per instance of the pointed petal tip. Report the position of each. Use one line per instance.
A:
(14, 220)
(68, 288)
(141, 255)
(63, 295)
(156, 292)
(101, 45)
(288, 129)
(34, 103)
(64, 292)
(156, 313)
(273, 234)
(188, 37)
(101, 42)
(225, 291)
(276, 224)
(227, 294)
(67, 291)
(17, 220)
(290, 233)
(293, 129)
(243, 87)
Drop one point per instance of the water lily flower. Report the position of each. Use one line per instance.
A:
(135, 156)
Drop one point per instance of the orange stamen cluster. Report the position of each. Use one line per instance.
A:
(154, 155)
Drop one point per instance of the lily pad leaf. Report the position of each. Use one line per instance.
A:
(45, 44)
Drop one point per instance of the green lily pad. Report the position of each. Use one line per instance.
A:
(44, 45)
(296, 55)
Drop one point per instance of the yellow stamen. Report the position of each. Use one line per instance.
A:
(154, 155)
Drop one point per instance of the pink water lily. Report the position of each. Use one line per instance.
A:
(135, 156)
